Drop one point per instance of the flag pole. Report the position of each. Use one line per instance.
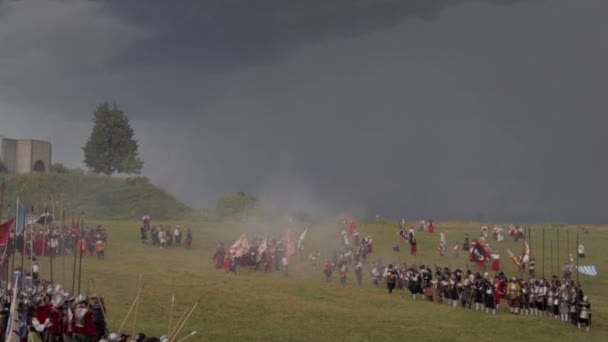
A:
(62, 239)
(577, 255)
(558, 268)
(551, 257)
(543, 251)
(32, 242)
(75, 247)
(568, 243)
(4, 254)
(83, 242)
(23, 254)
(14, 251)
(2, 188)
(51, 252)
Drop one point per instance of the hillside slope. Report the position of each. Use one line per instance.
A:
(100, 197)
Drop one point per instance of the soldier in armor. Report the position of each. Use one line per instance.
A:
(467, 293)
(556, 298)
(573, 309)
(478, 292)
(99, 316)
(584, 313)
(489, 297)
(524, 301)
(67, 321)
(513, 295)
(532, 297)
(54, 315)
(539, 294)
(84, 327)
(549, 300)
(563, 303)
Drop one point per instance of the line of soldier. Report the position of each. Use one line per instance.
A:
(56, 241)
(557, 298)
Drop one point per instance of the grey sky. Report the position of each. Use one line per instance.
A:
(439, 109)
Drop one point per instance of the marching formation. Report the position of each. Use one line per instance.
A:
(557, 298)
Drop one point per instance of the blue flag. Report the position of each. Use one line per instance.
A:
(20, 217)
(23, 325)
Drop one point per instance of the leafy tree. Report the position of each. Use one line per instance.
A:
(234, 205)
(111, 147)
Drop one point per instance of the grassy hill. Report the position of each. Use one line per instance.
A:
(100, 197)
(258, 306)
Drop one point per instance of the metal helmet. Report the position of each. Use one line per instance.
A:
(58, 300)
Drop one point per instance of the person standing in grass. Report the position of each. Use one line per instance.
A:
(285, 264)
(100, 247)
(391, 278)
(188, 242)
(413, 248)
(343, 270)
(359, 273)
(328, 270)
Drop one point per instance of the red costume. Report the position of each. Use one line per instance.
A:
(42, 312)
(82, 245)
(352, 228)
(227, 263)
(498, 290)
(38, 247)
(54, 316)
(83, 322)
(495, 265)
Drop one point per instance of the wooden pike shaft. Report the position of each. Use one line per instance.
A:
(134, 331)
(184, 322)
(179, 321)
(135, 301)
(128, 313)
(171, 314)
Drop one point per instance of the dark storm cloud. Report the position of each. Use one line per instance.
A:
(441, 109)
(223, 34)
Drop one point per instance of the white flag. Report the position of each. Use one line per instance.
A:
(588, 270)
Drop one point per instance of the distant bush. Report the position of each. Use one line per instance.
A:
(137, 180)
(230, 206)
(59, 168)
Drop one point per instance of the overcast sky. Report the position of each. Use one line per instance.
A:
(421, 108)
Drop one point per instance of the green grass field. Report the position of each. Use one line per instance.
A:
(303, 307)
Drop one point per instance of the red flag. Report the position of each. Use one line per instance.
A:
(352, 228)
(5, 231)
(240, 246)
(479, 254)
(289, 247)
(514, 258)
